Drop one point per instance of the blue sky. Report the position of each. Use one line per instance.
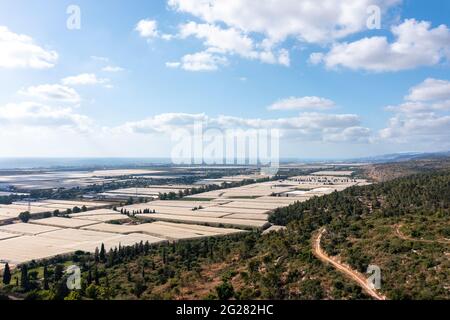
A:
(225, 58)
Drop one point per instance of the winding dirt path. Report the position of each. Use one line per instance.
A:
(402, 236)
(354, 275)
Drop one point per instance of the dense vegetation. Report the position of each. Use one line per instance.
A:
(402, 226)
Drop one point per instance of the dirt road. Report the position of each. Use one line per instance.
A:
(402, 236)
(354, 275)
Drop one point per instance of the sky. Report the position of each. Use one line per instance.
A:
(110, 78)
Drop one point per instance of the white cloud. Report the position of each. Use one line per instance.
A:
(220, 42)
(84, 79)
(201, 61)
(113, 69)
(308, 20)
(20, 51)
(302, 103)
(173, 64)
(420, 107)
(54, 92)
(31, 114)
(147, 28)
(418, 126)
(101, 59)
(424, 119)
(430, 89)
(416, 44)
(306, 126)
(351, 134)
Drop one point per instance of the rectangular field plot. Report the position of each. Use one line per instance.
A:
(206, 220)
(185, 212)
(5, 235)
(26, 248)
(182, 203)
(179, 231)
(199, 227)
(105, 217)
(112, 228)
(255, 204)
(63, 222)
(248, 216)
(94, 213)
(78, 235)
(27, 229)
(235, 210)
(122, 240)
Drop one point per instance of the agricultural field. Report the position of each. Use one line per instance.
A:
(215, 213)
(13, 210)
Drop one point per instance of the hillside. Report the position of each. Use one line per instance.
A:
(402, 226)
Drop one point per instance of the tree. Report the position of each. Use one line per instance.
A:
(46, 287)
(7, 275)
(225, 291)
(25, 216)
(96, 255)
(102, 254)
(24, 277)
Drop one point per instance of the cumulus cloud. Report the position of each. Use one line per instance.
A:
(306, 126)
(430, 89)
(302, 103)
(221, 42)
(52, 92)
(416, 44)
(113, 69)
(31, 114)
(424, 118)
(20, 51)
(200, 61)
(84, 79)
(147, 28)
(308, 20)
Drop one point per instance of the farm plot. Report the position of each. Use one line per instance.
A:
(97, 212)
(5, 235)
(122, 240)
(105, 217)
(248, 216)
(26, 248)
(27, 229)
(254, 204)
(63, 222)
(182, 204)
(74, 236)
(179, 211)
(176, 231)
(199, 227)
(246, 223)
(166, 230)
(235, 210)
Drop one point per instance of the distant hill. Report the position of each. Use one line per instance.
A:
(400, 157)
(385, 171)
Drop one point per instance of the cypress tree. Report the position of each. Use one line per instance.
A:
(102, 255)
(24, 277)
(46, 287)
(6, 275)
